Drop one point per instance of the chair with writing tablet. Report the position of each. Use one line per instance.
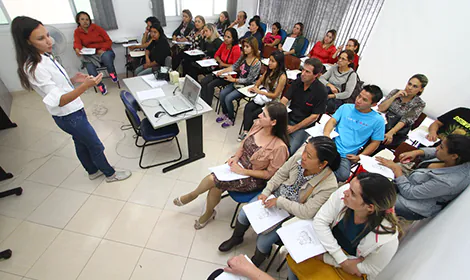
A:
(240, 197)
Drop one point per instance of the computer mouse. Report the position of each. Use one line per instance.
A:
(159, 114)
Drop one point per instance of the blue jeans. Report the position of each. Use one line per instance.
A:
(264, 242)
(342, 173)
(140, 71)
(107, 59)
(227, 95)
(296, 139)
(402, 211)
(90, 150)
(291, 275)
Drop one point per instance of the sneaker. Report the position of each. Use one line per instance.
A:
(114, 77)
(103, 89)
(242, 136)
(119, 176)
(227, 123)
(95, 175)
(221, 118)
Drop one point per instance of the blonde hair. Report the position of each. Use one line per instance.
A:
(212, 28)
(333, 32)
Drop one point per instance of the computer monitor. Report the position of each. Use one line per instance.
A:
(191, 89)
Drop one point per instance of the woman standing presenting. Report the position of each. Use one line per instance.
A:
(39, 71)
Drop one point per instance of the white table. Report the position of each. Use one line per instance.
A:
(193, 118)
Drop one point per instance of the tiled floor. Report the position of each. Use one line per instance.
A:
(65, 226)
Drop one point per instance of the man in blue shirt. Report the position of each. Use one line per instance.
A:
(356, 124)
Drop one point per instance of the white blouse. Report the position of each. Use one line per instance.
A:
(51, 81)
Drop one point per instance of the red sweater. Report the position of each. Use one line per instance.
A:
(96, 38)
(355, 61)
(223, 53)
(325, 56)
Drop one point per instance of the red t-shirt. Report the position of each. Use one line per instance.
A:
(229, 56)
(270, 38)
(96, 38)
(325, 56)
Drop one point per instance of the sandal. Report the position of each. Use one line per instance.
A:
(198, 225)
(177, 201)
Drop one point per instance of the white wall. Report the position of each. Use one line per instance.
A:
(436, 249)
(421, 36)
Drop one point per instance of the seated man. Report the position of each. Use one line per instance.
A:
(357, 124)
(456, 121)
(308, 101)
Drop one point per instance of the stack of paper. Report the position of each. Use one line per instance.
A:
(419, 134)
(224, 74)
(292, 74)
(262, 218)
(301, 240)
(223, 173)
(194, 52)
(130, 44)
(373, 166)
(87, 51)
(151, 81)
(288, 44)
(207, 62)
(154, 93)
(245, 92)
(317, 130)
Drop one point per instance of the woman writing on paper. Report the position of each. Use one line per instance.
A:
(259, 156)
(39, 71)
(359, 230)
(299, 41)
(156, 53)
(300, 187)
(269, 87)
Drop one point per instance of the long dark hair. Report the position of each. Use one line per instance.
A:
(159, 28)
(234, 34)
(153, 20)
(77, 17)
(253, 43)
(326, 151)
(273, 75)
(258, 23)
(350, 55)
(277, 111)
(227, 21)
(27, 56)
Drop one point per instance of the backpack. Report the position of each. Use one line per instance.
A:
(357, 89)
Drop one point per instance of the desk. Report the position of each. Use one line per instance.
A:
(194, 129)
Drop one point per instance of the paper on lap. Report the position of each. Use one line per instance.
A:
(262, 218)
(223, 173)
(372, 165)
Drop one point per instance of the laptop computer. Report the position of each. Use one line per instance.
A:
(184, 102)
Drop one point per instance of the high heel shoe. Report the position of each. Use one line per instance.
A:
(177, 201)
(198, 225)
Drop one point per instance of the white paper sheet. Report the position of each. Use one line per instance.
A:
(223, 173)
(317, 130)
(153, 93)
(372, 165)
(426, 122)
(181, 43)
(301, 240)
(207, 62)
(230, 276)
(265, 61)
(288, 44)
(292, 74)
(224, 74)
(288, 110)
(244, 91)
(137, 53)
(385, 153)
(419, 134)
(87, 51)
(130, 44)
(194, 52)
(151, 81)
(262, 218)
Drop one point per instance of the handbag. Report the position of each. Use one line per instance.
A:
(261, 99)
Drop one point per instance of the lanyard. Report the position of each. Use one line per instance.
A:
(63, 74)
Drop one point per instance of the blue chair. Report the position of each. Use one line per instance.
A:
(240, 197)
(263, 25)
(283, 34)
(304, 48)
(144, 129)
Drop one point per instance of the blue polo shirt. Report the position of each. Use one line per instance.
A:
(356, 128)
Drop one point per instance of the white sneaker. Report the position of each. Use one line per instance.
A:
(119, 176)
(95, 175)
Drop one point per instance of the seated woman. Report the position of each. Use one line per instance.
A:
(255, 31)
(185, 27)
(156, 52)
(402, 108)
(352, 45)
(273, 38)
(90, 35)
(227, 54)
(248, 67)
(297, 46)
(222, 23)
(340, 81)
(209, 45)
(325, 49)
(269, 88)
(146, 37)
(195, 37)
(300, 186)
(261, 154)
(436, 181)
(359, 230)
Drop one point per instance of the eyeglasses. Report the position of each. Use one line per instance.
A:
(342, 58)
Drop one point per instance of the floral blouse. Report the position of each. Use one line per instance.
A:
(407, 112)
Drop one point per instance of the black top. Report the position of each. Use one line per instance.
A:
(348, 234)
(186, 31)
(210, 48)
(456, 121)
(159, 50)
(258, 35)
(222, 26)
(306, 103)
